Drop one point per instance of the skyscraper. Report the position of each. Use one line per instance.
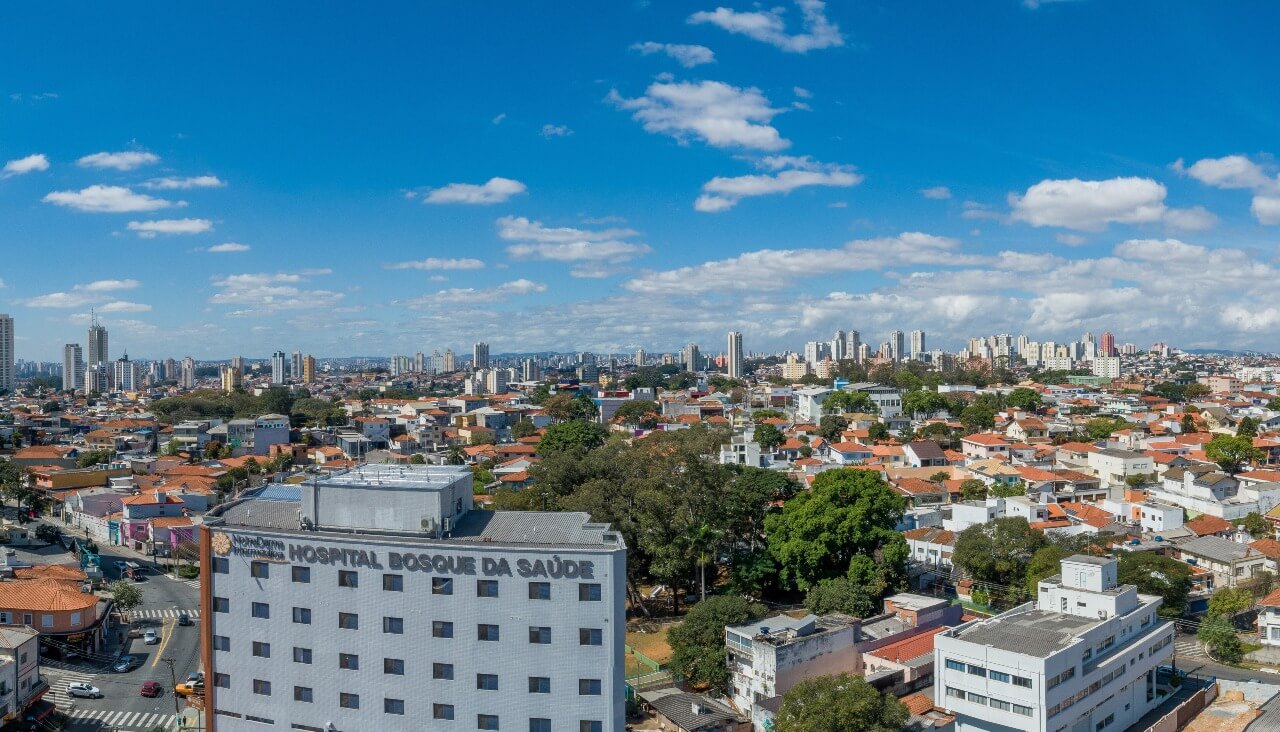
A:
(72, 367)
(419, 363)
(917, 344)
(480, 356)
(1107, 344)
(692, 358)
(127, 376)
(839, 346)
(97, 343)
(188, 378)
(6, 353)
(277, 368)
(295, 366)
(854, 348)
(897, 345)
(735, 355)
(308, 369)
(641, 356)
(450, 361)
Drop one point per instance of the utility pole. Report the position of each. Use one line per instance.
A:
(173, 676)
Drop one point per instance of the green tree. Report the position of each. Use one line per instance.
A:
(973, 490)
(523, 428)
(831, 426)
(577, 435)
(1197, 391)
(1219, 636)
(1230, 601)
(938, 432)
(482, 438)
(1101, 427)
(1257, 526)
(923, 403)
(842, 703)
(641, 413)
(417, 459)
(1045, 563)
(1188, 424)
(998, 552)
(763, 414)
(769, 437)
(455, 455)
(1247, 427)
(849, 402)
(1169, 390)
(978, 417)
(940, 476)
(840, 595)
(1023, 398)
(877, 431)
(1232, 453)
(697, 644)
(94, 457)
(848, 512)
(1153, 574)
(126, 595)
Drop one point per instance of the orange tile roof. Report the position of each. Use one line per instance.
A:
(168, 522)
(45, 594)
(1272, 600)
(64, 572)
(986, 439)
(1204, 525)
(909, 648)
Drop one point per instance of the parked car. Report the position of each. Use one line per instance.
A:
(150, 638)
(151, 689)
(125, 663)
(86, 691)
(196, 689)
(184, 619)
(195, 677)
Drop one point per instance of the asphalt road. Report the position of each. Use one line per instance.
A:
(122, 706)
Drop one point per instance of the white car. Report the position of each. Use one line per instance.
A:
(87, 691)
(150, 638)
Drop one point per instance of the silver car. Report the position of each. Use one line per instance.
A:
(83, 690)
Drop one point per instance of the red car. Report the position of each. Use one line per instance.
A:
(150, 688)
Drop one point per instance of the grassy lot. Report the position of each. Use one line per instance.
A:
(654, 645)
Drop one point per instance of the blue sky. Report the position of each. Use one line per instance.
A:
(604, 176)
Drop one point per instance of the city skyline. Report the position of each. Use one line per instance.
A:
(779, 183)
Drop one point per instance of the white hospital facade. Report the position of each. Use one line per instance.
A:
(377, 599)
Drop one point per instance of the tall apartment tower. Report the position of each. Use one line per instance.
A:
(897, 345)
(735, 355)
(450, 361)
(6, 352)
(1107, 344)
(853, 347)
(295, 366)
(692, 358)
(97, 353)
(480, 356)
(125, 374)
(277, 368)
(188, 378)
(237, 363)
(309, 368)
(641, 356)
(72, 367)
(917, 343)
(839, 346)
(419, 362)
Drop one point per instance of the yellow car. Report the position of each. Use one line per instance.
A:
(196, 689)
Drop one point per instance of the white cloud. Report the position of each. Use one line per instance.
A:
(81, 295)
(1089, 205)
(1071, 240)
(937, 193)
(264, 293)
(1231, 171)
(108, 199)
(801, 92)
(473, 295)
(149, 229)
(577, 251)
(121, 306)
(521, 287)
(128, 160)
(177, 184)
(498, 119)
(776, 269)
(549, 131)
(770, 27)
(495, 190)
(717, 113)
(109, 285)
(433, 263)
(976, 210)
(228, 248)
(568, 244)
(519, 228)
(720, 194)
(1266, 209)
(1197, 218)
(21, 166)
(687, 56)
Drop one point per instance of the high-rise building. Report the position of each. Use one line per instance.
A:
(518, 601)
(97, 378)
(309, 369)
(295, 366)
(854, 348)
(237, 363)
(232, 379)
(1107, 344)
(641, 356)
(529, 370)
(6, 353)
(188, 378)
(815, 351)
(692, 358)
(839, 346)
(450, 361)
(72, 367)
(734, 362)
(495, 381)
(480, 356)
(97, 349)
(277, 368)
(419, 363)
(917, 344)
(126, 374)
(1107, 367)
(897, 345)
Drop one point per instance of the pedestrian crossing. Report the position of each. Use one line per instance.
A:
(194, 583)
(162, 614)
(58, 680)
(131, 721)
(1188, 646)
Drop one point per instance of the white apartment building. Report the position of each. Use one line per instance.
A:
(1082, 658)
(376, 599)
(1113, 465)
(1108, 367)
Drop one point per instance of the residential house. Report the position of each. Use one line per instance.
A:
(1230, 562)
(925, 454)
(982, 446)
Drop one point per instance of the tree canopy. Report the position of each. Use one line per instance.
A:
(697, 644)
(842, 703)
(1024, 398)
(841, 595)
(1153, 574)
(846, 402)
(577, 436)
(998, 553)
(639, 412)
(1232, 453)
(768, 437)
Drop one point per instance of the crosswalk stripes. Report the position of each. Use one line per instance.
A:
(1188, 647)
(161, 614)
(192, 583)
(58, 680)
(126, 720)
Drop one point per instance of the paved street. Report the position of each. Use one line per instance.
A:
(122, 706)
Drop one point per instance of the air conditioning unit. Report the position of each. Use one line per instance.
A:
(446, 525)
(428, 524)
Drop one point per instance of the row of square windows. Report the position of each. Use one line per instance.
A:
(587, 591)
(539, 634)
(970, 668)
(484, 682)
(438, 711)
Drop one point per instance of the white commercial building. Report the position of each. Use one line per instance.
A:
(376, 599)
(1082, 658)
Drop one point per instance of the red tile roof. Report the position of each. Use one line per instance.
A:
(1204, 525)
(908, 648)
